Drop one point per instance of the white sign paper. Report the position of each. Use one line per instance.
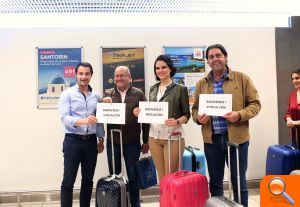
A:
(215, 104)
(153, 112)
(111, 113)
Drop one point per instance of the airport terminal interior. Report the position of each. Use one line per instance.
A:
(262, 40)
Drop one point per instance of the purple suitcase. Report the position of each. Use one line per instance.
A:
(282, 160)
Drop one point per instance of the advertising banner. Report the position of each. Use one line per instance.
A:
(190, 64)
(55, 73)
(130, 57)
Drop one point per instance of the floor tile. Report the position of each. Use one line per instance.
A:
(25, 204)
(147, 201)
(253, 203)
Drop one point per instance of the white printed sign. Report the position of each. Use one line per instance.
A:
(153, 112)
(215, 104)
(111, 113)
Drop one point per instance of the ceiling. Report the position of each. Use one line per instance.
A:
(144, 6)
(146, 13)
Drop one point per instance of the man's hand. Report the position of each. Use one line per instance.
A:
(232, 116)
(101, 145)
(136, 111)
(203, 118)
(107, 100)
(91, 120)
(145, 148)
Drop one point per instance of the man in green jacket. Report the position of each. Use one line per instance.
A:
(233, 126)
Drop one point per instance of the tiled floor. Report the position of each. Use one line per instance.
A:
(148, 201)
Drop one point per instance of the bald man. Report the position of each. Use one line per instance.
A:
(123, 92)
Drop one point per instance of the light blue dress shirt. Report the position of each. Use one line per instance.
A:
(73, 105)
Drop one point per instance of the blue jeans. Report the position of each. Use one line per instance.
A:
(216, 156)
(78, 151)
(131, 155)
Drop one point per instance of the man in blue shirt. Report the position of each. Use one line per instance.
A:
(77, 106)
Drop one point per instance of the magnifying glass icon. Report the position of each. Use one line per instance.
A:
(277, 187)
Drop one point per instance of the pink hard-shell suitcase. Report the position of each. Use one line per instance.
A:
(183, 188)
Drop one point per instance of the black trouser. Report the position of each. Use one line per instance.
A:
(77, 150)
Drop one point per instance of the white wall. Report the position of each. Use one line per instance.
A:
(31, 139)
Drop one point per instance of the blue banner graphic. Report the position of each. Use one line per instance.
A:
(56, 73)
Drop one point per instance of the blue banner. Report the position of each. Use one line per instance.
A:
(56, 73)
(190, 64)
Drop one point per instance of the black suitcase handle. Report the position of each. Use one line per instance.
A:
(112, 131)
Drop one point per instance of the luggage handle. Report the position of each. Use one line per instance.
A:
(191, 148)
(229, 144)
(289, 146)
(233, 144)
(113, 152)
(195, 163)
(294, 152)
(297, 138)
(172, 134)
(182, 173)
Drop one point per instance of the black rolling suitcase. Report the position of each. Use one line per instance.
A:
(113, 191)
(222, 201)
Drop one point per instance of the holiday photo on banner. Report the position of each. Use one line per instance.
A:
(190, 64)
(55, 73)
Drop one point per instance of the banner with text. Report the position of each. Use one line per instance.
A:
(130, 57)
(190, 64)
(56, 73)
(153, 112)
(111, 113)
(215, 104)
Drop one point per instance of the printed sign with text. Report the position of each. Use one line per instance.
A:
(215, 104)
(111, 113)
(153, 112)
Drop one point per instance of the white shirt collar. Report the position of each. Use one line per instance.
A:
(123, 94)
